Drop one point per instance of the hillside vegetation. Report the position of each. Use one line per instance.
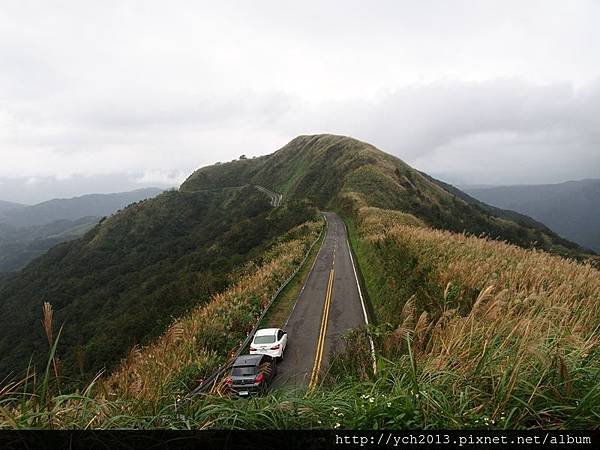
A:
(20, 245)
(27, 232)
(199, 342)
(471, 333)
(341, 173)
(143, 391)
(123, 282)
(493, 330)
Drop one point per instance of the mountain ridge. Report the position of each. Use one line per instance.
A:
(343, 172)
(73, 208)
(27, 231)
(10, 206)
(570, 208)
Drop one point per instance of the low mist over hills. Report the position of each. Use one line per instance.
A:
(9, 206)
(571, 209)
(28, 231)
(98, 205)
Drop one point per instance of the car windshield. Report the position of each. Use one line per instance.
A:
(243, 371)
(265, 339)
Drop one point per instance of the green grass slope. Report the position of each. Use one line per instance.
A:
(341, 173)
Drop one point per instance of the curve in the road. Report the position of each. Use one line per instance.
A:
(275, 197)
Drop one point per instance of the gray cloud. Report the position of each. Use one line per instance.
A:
(199, 111)
(505, 131)
(496, 91)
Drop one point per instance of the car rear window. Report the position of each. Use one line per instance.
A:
(242, 371)
(268, 339)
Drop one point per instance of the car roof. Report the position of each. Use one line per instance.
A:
(266, 331)
(248, 360)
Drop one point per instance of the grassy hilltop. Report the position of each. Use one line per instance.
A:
(342, 173)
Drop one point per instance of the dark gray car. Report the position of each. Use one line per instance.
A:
(251, 374)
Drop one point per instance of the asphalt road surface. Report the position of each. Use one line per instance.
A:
(328, 305)
(274, 196)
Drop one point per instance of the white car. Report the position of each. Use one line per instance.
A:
(269, 341)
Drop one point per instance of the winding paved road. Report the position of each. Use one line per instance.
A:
(328, 305)
(275, 197)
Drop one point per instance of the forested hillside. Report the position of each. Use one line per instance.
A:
(27, 232)
(123, 282)
(19, 245)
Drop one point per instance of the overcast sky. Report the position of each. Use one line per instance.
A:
(104, 96)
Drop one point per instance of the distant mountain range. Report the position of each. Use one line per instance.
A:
(98, 205)
(9, 206)
(28, 231)
(571, 209)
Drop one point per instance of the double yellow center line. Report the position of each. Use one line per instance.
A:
(323, 333)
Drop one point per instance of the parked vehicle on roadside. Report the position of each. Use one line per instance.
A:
(251, 374)
(269, 341)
